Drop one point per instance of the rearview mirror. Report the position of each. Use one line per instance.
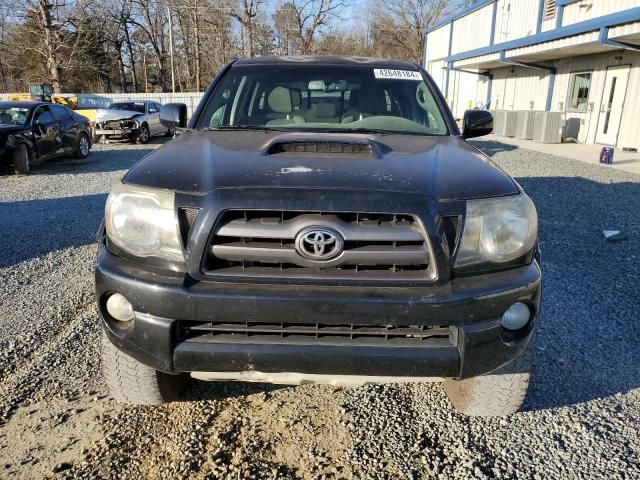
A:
(174, 115)
(477, 123)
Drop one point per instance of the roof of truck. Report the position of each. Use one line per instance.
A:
(327, 60)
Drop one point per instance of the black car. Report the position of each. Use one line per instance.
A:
(34, 131)
(321, 219)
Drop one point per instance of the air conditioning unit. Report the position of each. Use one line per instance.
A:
(510, 122)
(547, 127)
(499, 122)
(524, 125)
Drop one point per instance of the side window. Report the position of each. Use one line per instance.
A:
(60, 113)
(579, 86)
(158, 106)
(151, 108)
(43, 115)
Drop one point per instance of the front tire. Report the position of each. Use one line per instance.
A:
(144, 135)
(496, 394)
(130, 381)
(21, 160)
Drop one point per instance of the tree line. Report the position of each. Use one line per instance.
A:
(164, 45)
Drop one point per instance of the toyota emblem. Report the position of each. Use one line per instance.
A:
(319, 244)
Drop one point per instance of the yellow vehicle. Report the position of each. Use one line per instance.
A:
(43, 92)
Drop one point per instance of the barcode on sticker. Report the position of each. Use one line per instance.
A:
(397, 74)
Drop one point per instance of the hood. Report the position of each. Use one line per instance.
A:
(103, 114)
(442, 167)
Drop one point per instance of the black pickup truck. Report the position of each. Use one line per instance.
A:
(320, 219)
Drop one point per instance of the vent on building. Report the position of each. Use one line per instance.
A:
(549, 9)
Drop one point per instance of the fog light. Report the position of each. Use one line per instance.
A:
(119, 308)
(516, 317)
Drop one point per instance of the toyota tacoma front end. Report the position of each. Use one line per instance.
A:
(320, 221)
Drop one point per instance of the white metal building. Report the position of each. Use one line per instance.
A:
(577, 57)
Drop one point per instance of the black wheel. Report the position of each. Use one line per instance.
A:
(496, 394)
(21, 161)
(130, 381)
(144, 135)
(170, 133)
(83, 146)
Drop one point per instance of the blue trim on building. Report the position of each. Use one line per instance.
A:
(494, 16)
(489, 91)
(625, 16)
(603, 39)
(559, 15)
(552, 83)
(562, 3)
(540, 15)
(460, 14)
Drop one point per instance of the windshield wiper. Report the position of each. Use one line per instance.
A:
(377, 131)
(245, 127)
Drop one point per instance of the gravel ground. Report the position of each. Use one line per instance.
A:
(582, 417)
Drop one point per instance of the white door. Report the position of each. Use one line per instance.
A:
(615, 89)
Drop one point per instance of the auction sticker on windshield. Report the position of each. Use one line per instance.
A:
(396, 74)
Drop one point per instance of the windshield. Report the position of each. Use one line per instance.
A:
(328, 98)
(131, 106)
(13, 115)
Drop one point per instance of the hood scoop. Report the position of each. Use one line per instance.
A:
(364, 149)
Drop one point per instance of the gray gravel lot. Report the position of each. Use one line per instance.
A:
(582, 417)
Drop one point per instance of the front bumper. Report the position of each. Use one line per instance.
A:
(470, 307)
(117, 134)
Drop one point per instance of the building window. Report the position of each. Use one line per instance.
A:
(549, 9)
(579, 85)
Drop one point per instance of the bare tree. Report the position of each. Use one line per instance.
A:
(245, 11)
(311, 16)
(401, 24)
(150, 16)
(287, 36)
(51, 44)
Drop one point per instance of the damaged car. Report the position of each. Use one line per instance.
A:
(37, 131)
(130, 120)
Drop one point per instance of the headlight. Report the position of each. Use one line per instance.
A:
(142, 221)
(498, 230)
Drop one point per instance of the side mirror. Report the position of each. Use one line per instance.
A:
(477, 123)
(174, 115)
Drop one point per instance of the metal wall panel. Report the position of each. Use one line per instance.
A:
(438, 43)
(463, 88)
(531, 87)
(516, 19)
(437, 70)
(473, 30)
(587, 9)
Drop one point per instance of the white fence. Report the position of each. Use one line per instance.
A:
(102, 100)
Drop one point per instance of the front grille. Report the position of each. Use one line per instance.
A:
(376, 246)
(347, 148)
(314, 333)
